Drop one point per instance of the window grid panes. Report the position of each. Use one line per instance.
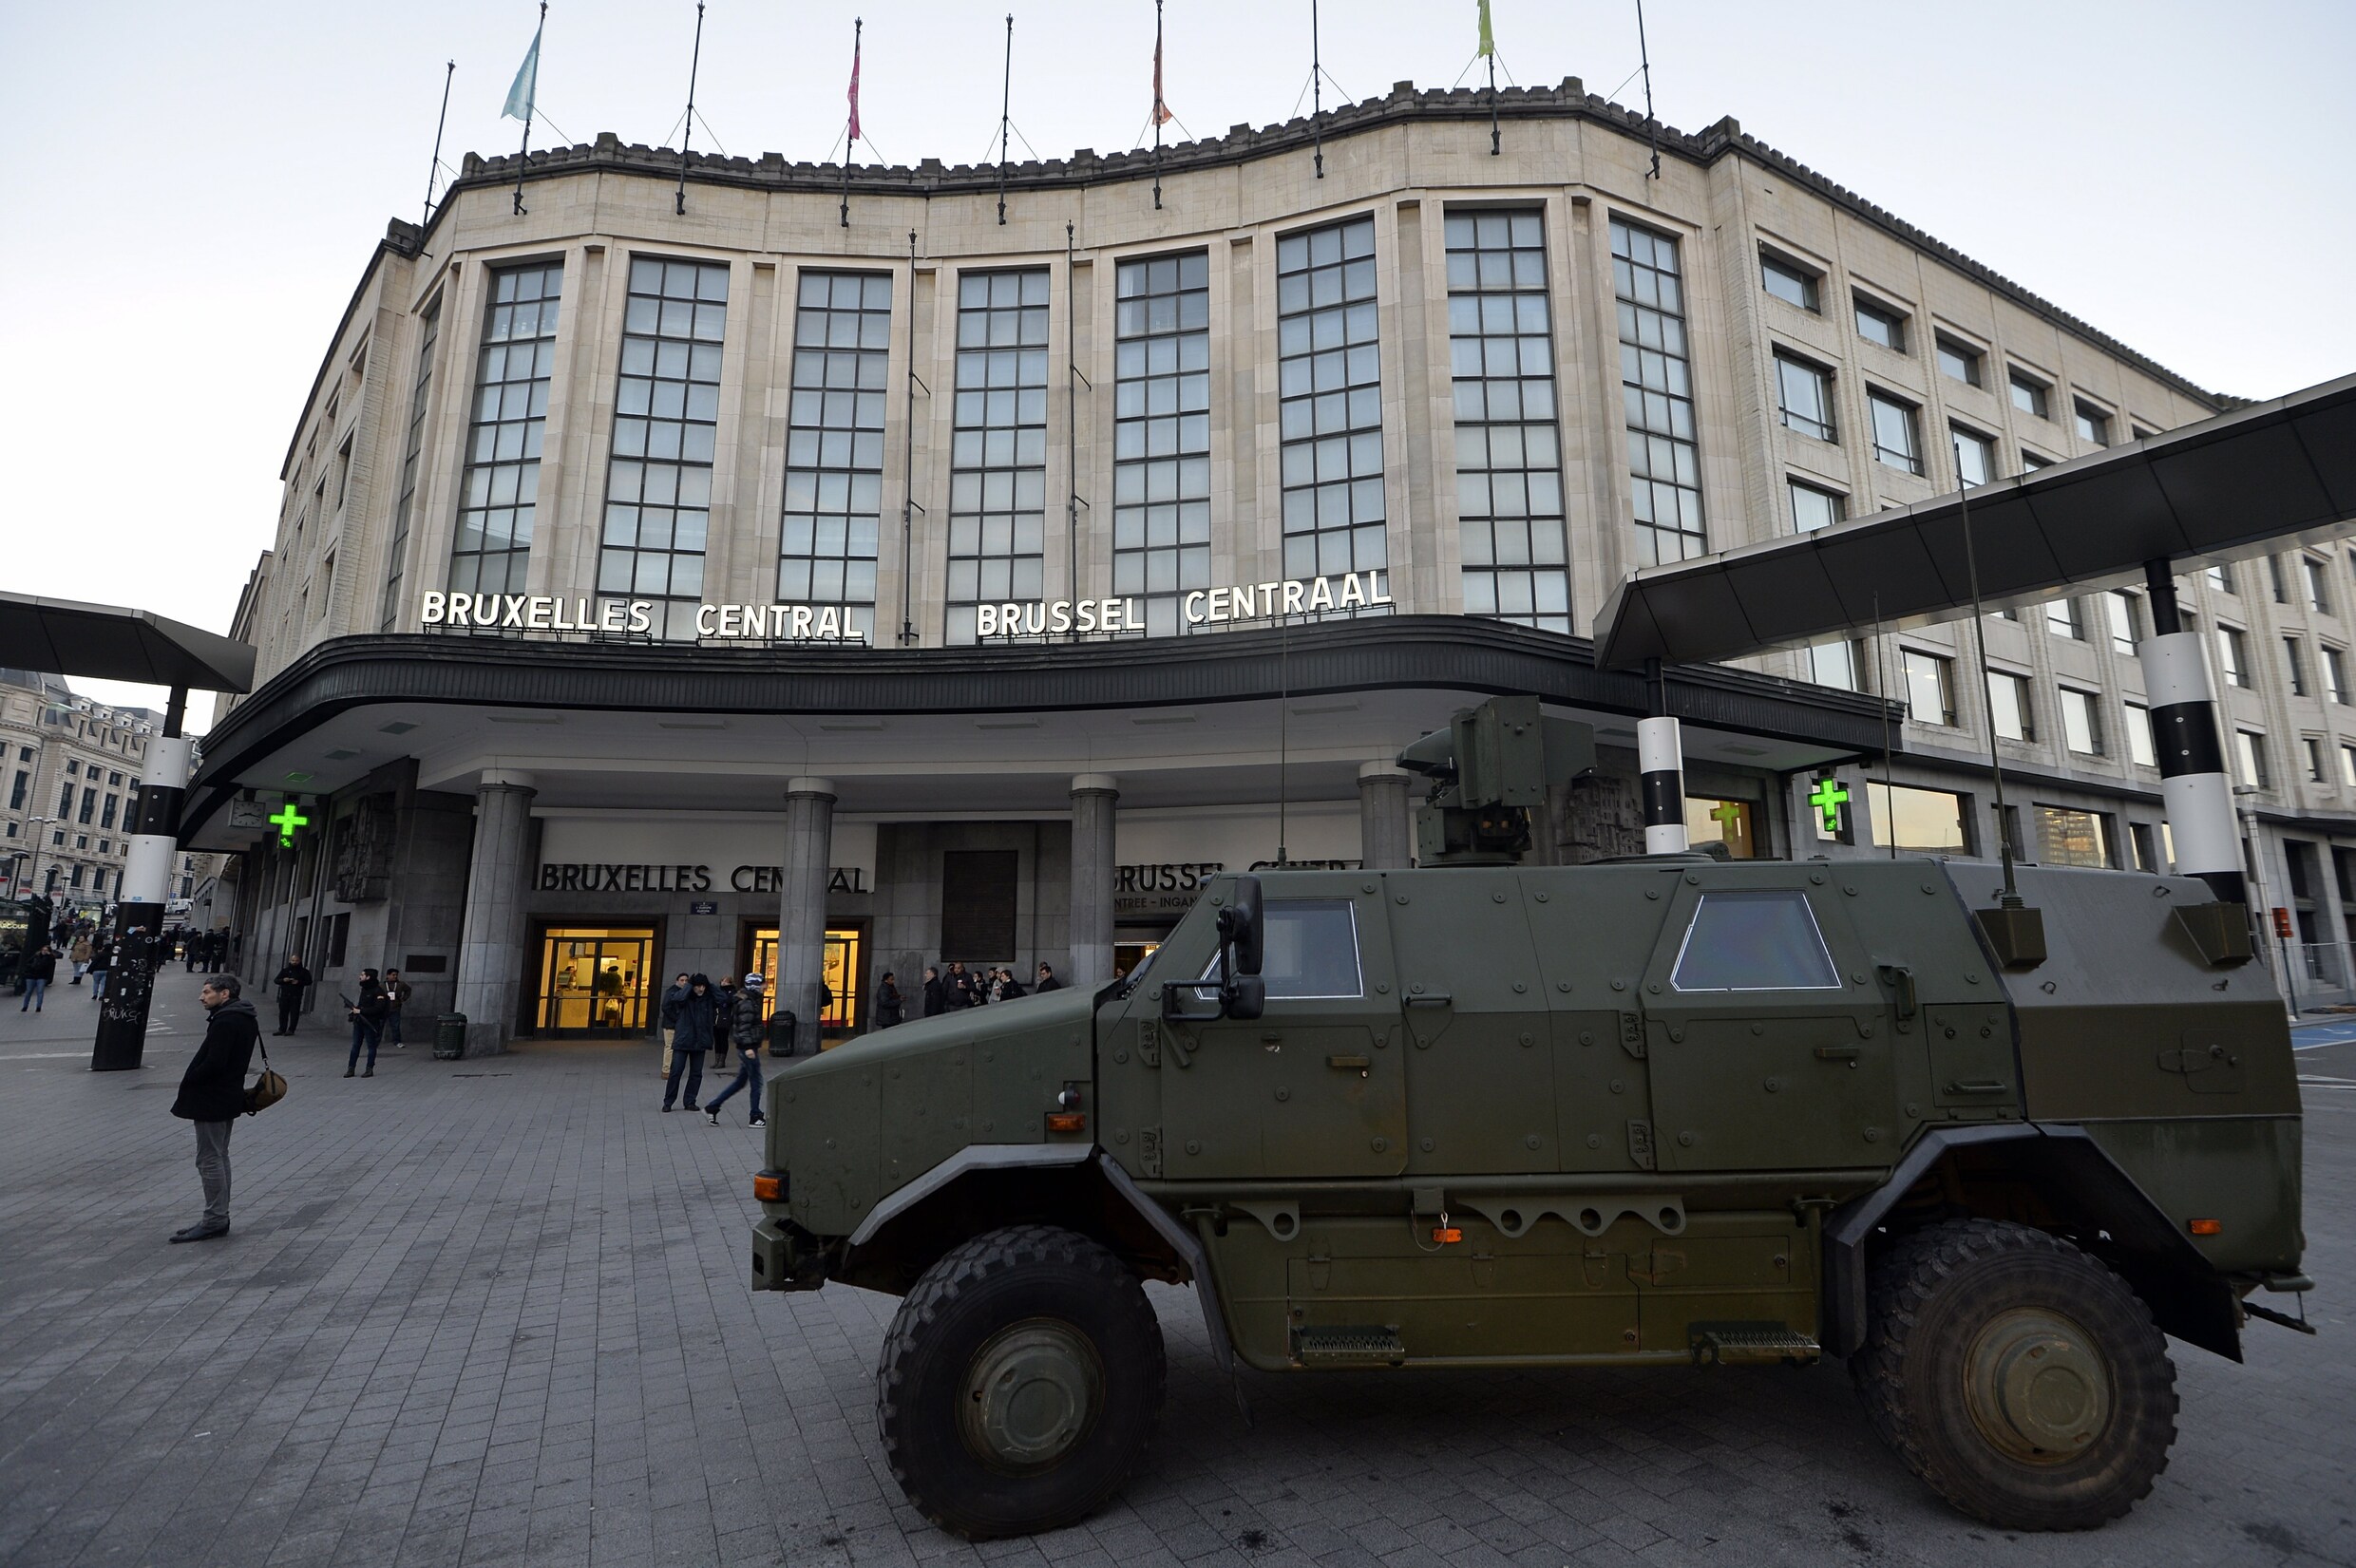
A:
(1929, 687)
(1960, 360)
(502, 485)
(666, 427)
(1804, 393)
(2294, 667)
(1879, 324)
(1509, 465)
(2140, 750)
(1813, 508)
(2249, 751)
(1656, 378)
(2312, 750)
(1787, 281)
(834, 446)
(2082, 730)
(397, 553)
(2062, 619)
(2008, 707)
(2318, 587)
(2232, 656)
(2028, 394)
(2092, 424)
(1160, 440)
(1975, 455)
(1329, 378)
(2065, 836)
(1895, 439)
(2121, 608)
(997, 475)
(2335, 676)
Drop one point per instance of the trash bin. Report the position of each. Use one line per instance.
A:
(781, 1027)
(449, 1036)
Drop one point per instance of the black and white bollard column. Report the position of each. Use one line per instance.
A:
(140, 897)
(2193, 784)
(1661, 761)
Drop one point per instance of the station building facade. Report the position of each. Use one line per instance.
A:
(684, 564)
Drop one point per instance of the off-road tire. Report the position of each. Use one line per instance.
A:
(990, 1284)
(1932, 1294)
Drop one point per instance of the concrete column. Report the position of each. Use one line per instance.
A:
(491, 960)
(1093, 798)
(1384, 838)
(801, 904)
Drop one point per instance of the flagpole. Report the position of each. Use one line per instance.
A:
(1006, 113)
(694, 64)
(851, 128)
(523, 154)
(1158, 110)
(1316, 110)
(907, 461)
(432, 172)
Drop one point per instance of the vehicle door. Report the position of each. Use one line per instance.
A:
(1314, 1087)
(1768, 1038)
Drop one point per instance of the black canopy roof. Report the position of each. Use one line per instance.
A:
(104, 642)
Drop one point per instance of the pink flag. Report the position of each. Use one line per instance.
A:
(1161, 110)
(854, 94)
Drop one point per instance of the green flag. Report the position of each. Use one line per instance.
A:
(1489, 44)
(527, 75)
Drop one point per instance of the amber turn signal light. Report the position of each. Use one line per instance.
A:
(2206, 1227)
(769, 1189)
(1445, 1234)
(1067, 1121)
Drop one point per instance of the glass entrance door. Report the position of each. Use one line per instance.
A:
(595, 980)
(841, 972)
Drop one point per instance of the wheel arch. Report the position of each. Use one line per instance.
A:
(2054, 1177)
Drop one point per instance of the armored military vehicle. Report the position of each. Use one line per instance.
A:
(1673, 1110)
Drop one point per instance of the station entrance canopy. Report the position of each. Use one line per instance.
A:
(2238, 485)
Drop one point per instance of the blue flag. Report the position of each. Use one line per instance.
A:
(526, 82)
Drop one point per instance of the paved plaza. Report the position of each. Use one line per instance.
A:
(495, 1312)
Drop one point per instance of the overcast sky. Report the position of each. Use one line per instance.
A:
(193, 189)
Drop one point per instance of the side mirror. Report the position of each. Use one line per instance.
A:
(1247, 997)
(1242, 929)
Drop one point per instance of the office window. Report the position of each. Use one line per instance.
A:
(2009, 707)
(2249, 753)
(2222, 579)
(2277, 580)
(2030, 461)
(500, 490)
(65, 801)
(1656, 385)
(2062, 619)
(73, 768)
(106, 812)
(1804, 392)
(2348, 766)
(998, 465)
(2335, 676)
(834, 446)
(1880, 324)
(1895, 439)
(1835, 664)
(2318, 585)
(1975, 455)
(1919, 821)
(2233, 656)
(2312, 750)
(89, 806)
(1813, 508)
(1929, 687)
(2093, 424)
(397, 552)
(17, 789)
(1787, 281)
(2029, 394)
(1329, 376)
(2081, 727)
(1161, 449)
(2294, 667)
(1959, 360)
(115, 778)
(666, 429)
(2146, 846)
(2119, 610)
(2140, 736)
(1509, 468)
(2072, 837)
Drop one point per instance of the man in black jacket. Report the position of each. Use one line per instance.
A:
(748, 1023)
(1047, 981)
(936, 993)
(211, 1094)
(292, 982)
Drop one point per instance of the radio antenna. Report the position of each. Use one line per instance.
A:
(1881, 684)
(1283, 729)
(2010, 897)
(908, 460)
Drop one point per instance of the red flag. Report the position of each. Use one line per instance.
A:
(854, 94)
(1161, 110)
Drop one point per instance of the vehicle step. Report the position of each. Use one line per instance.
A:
(1725, 1343)
(1352, 1345)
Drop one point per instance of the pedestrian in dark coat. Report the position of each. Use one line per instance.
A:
(211, 1093)
(1047, 981)
(292, 982)
(367, 1021)
(889, 1010)
(746, 1021)
(102, 964)
(1009, 987)
(936, 993)
(39, 970)
(694, 1024)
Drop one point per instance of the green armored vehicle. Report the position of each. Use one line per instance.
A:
(1673, 1110)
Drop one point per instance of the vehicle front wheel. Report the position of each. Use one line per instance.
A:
(2018, 1376)
(1020, 1383)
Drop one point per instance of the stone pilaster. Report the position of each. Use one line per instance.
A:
(801, 904)
(490, 949)
(1095, 796)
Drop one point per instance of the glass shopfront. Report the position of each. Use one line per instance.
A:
(595, 980)
(843, 972)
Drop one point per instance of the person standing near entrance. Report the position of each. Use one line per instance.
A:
(396, 997)
(746, 1019)
(368, 1022)
(39, 970)
(694, 1025)
(80, 953)
(669, 1013)
(211, 1093)
(889, 1010)
(936, 993)
(292, 982)
(1047, 981)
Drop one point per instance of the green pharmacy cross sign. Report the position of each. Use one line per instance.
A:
(1729, 813)
(286, 821)
(1828, 798)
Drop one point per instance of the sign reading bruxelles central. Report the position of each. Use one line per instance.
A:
(1243, 601)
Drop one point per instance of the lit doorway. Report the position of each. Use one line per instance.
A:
(594, 980)
(1128, 952)
(841, 969)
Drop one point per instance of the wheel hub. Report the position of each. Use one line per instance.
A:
(1031, 1394)
(2037, 1388)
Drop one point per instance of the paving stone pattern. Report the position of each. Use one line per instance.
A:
(495, 1312)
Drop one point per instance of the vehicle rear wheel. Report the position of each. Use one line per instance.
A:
(2018, 1376)
(1020, 1383)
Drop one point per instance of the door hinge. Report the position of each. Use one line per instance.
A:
(1150, 1151)
(1639, 1144)
(1632, 1034)
(1149, 1042)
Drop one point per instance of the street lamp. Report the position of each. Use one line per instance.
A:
(2248, 819)
(36, 823)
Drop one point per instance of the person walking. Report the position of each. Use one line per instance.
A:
(693, 1021)
(1047, 981)
(936, 993)
(396, 997)
(292, 982)
(744, 1033)
(669, 1013)
(889, 1010)
(725, 996)
(211, 1094)
(368, 1022)
(1009, 987)
(80, 953)
(102, 964)
(39, 970)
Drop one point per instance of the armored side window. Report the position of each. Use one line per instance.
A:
(1310, 949)
(1756, 941)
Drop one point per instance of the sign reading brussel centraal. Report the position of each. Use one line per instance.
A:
(1010, 619)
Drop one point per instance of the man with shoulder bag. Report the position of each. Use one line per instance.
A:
(213, 1094)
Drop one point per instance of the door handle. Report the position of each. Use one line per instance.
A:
(1836, 1053)
(1431, 999)
(1980, 1086)
(1351, 1063)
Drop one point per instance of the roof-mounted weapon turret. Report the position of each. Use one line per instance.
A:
(1488, 768)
